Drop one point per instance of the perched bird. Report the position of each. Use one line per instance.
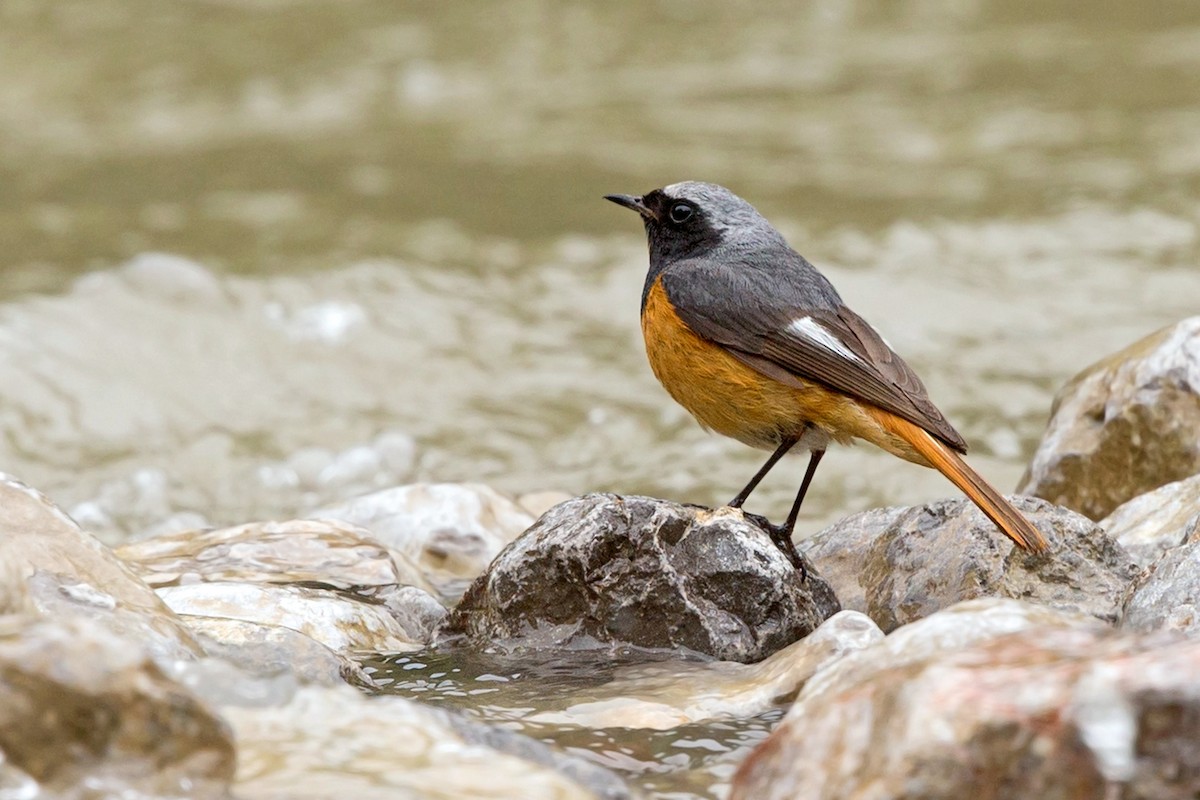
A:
(750, 338)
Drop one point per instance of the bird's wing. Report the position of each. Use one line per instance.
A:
(791, 323)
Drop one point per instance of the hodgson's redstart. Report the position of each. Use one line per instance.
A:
(756, 343)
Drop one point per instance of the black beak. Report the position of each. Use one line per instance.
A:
(629, 201)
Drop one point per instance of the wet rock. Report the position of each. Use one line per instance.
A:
(942, 709)
(326, 579)
(897, 565)
(388, 747)
(85, 713)
(451, 530)
(318, 552)
(1150, 524)
(49, 566)
(341, 623)
(1167, 596)
(272, 650)
(605, 570)
(663, 696)
(1123, 426)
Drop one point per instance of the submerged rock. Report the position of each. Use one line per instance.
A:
(450, 530)
(86, 713)
(611, 571)
(51, 567)
(662, 696)
(389, 747)
(1123, 426)
(1151, 524)
(1037, 706)
(897, 565)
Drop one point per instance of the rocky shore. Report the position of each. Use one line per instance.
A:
(921, 657)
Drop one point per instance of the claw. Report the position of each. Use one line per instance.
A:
(782, 538)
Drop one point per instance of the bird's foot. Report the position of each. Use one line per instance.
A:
(782, 537)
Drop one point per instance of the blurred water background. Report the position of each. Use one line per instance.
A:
(261, 254)
(257, 256)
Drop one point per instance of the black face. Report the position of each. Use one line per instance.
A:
(676, 227)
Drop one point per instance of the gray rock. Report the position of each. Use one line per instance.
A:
(1152, 523)
(389, 747)
(85, 713)
(1167, 595)
(605, 570)
(49, 566)
(954, 705)
(897, 565)
(1123, 426)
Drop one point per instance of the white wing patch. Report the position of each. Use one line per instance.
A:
(808, 328)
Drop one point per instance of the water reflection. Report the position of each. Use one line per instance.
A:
(688, 761)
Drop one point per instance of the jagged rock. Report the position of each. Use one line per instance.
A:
(617, 571)
(86, 713)
(1167, 595)
(389, 747)
(954, 705)
(324, 552)
(897, 565)
(663, 696)
(1125, 425)
(450, 530)
(1151, 524)
(49, 566)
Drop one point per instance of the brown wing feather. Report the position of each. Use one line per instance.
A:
(753, 324)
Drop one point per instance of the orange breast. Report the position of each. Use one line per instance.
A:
(735, 400)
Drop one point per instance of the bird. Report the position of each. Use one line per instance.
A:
(755, 342)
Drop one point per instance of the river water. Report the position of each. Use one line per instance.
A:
(244, 236)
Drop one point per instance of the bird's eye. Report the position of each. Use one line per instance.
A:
(681, 212)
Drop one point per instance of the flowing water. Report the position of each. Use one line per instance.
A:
(389, 260)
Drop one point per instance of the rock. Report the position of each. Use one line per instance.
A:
(610, 571)
(941, 709)
(1167, 596)
(389, 747)
(319, 552)
(270, 650)
(49, 566)
(1125, 425)
(86, 713)
(339, 622)
(326, 579)
(450, 530)
(663, 696)
(1150, 524)
(897, 565)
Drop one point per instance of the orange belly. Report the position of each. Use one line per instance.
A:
(735, 400)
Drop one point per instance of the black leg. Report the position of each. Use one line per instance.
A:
(779, 453)
(781, 535)
(790, 525)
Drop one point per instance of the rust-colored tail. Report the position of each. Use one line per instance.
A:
(1007, 518)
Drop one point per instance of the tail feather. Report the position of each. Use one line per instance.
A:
(1007, 518)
